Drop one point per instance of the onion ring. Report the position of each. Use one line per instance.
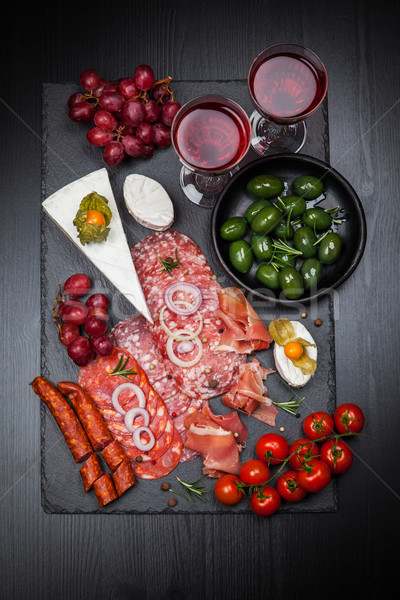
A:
(177, 361)
(131, 415)
(181, 286)
(143, 446)
(188, 335)
(127, 386)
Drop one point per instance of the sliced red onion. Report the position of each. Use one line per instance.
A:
(185, 347)
(182, 363)
(127, 386)
(143, 446)
(131, 415)
(181, 286)
(187, 334)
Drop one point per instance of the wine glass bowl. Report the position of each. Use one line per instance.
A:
(287, 83)
(211, 134)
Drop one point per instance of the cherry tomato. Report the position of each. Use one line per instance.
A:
(337, 455)
(226, 491)
(272, 448)
(265, 502)
(305, 450)
(288, 486)
(293, 350)
(318, 425)
(314, 476)
(95, 217)
(254, 472)
(348, 418)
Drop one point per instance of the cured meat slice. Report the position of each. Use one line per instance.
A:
(214, 373)
(104, 489)
(90, 471)
(65, 417)
(124, 477)
(164, 464)
(250, 395)
(100, 381)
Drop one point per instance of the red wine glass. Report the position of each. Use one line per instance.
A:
(287, 83)
(211, 135)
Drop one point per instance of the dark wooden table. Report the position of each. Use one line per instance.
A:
(353, 550)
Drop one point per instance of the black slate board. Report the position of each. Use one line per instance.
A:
(66, 157)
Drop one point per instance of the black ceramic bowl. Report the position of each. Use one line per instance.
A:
(234, 201)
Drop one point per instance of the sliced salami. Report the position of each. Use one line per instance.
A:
(164, 464)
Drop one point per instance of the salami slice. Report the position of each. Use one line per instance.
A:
(91, 471)
(104, 489)
(164, 464)
(124, 477)
(215, 372)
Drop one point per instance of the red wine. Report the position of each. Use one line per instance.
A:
(286, 86)
(211, 136)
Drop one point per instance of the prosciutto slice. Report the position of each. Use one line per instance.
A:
(250, 395)
(244, 332)
(213, 436)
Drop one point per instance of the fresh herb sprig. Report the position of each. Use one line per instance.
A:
(290, 405)
(170, 263)
(194, 491)
(120, 368)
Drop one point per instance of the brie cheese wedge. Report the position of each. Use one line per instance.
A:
(148, 202)
(285, 367)
(112, 257)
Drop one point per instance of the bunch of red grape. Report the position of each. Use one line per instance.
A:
(131, 116)
(71, 316)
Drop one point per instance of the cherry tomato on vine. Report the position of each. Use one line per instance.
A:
(317, 425)
(225, 490)
(272, 448)
(288, 487)
(314, 476)
(337, 455)
(265, 502)
(254, 472)
(304, 449)
(348, 418)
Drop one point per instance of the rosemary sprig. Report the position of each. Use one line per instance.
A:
(170, 263)
(286, 248)
(193, 490)
(120, 368)
(290, 405)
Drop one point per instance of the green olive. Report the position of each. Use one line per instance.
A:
(284, 260)
(255, 207)
(266, 219)
(304, 239)
(283, 230)
(295, 205)
(311, 270)
(317, 218)
(291, 283)
(261, 246)
(241, 255)
(233, 229)
(308, 187)
(265, 186)
(268, 276)
(329, 248)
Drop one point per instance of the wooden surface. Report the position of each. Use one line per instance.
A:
(215, 556)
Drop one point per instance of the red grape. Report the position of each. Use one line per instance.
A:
(68, 332)
(95, 326)
(161, 93)
(113, 154)
(73, 311)
(77, 285)
(102, 345)
(80, 351)
(169, 111)
(99, 90)
(98, 137)
(132, 112)
(111, 101)
(133, 145)
(148, 150)
(89, 80)
(97, 300)
(75, 98)
(151, 111)
(143, 77)
(98, 312)
(145, 132)
(162, 135)
(105, 120)
(127, 88)
(111, 86)
(81, 112)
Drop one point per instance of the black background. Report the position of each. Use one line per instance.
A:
(352, 551)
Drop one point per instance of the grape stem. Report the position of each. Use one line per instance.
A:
(59, 298)
(166, 87)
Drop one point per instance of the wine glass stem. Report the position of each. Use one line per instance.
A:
(211, 184)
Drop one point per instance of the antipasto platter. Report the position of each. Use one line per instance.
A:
(172, 371)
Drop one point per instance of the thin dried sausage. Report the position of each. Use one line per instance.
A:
(113, 455)
(124, 477)
(91, 471)
(65, 417)
(104, 489)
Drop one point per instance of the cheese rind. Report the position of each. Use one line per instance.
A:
(148, 202)
(285, 367)
(112, 257)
